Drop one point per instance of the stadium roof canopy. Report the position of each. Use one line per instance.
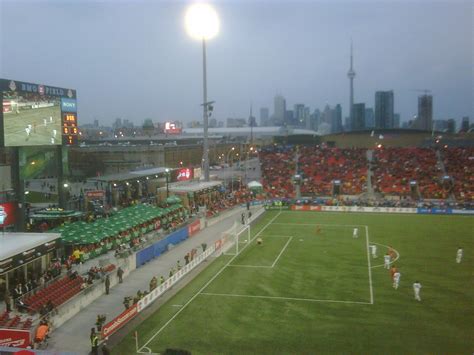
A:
(131, 175)
(246, 131)
(193, 186)
(12, 244)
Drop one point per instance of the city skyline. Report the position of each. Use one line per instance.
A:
(146, 67)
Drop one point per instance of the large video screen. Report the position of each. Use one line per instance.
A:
(31, 119)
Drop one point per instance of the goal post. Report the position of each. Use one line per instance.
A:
(235, 238)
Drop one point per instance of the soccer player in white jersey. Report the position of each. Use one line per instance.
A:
(416, 289)
(55, 132)
(386, 261)
(459, 255)
(396, 279)
(50, 119)
(373, 250)
(355, 233)
(28, 131)
(45, 122)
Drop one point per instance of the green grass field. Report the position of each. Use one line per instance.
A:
(42, 133)
(301, 292)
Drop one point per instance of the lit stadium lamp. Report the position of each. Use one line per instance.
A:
(201, 21)
(65, 185)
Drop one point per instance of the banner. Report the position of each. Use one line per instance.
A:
(194, 227)
(95, 194)
(157, 292)
(368, 209)
(305, 208)
(434, 210)
(7, 214)
(119, 321)
(271, 207)
(469, 212)
(14, 338)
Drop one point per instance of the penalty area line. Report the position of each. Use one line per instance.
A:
(371, 290)
(205, 285)
(282, 298)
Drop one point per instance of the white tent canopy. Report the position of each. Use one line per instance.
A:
(254, 184)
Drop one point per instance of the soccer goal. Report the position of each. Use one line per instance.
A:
(235, 238)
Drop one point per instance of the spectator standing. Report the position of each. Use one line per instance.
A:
(7, 300)
(120, 274)
(107, 284)
(94, 344)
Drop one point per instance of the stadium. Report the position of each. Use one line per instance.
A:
(311, 233)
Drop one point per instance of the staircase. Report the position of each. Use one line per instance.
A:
(442, 167)
(370, 173)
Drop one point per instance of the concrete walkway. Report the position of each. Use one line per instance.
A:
(74, 334)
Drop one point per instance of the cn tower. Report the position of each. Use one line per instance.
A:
(351, 75)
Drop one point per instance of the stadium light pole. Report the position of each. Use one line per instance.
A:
(202, 23)
(226, 168)
(167, 172)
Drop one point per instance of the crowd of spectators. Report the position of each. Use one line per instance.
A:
(459, 164)
(410, 173)
(321, 166)
(395, 168)
(219, 201)
(278, 166)
(24, 287)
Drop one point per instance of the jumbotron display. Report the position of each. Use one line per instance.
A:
(33, 114)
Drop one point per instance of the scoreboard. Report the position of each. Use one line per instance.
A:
(69, 129)
(37, 115)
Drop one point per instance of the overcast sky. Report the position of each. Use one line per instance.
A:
(133, 59)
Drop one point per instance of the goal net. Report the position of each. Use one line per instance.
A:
(235, 238)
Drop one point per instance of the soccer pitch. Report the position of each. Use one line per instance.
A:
(42, 129)
(305, 292)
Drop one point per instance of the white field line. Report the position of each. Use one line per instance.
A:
(368, 265)
(254, 266)
(275, 235)
(207, 284)
(322, 224)
(391, 262)
(266, 266)
(280, 298)
(281, 252)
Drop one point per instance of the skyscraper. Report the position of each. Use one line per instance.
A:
(384, 109)
(351, 75)
(298, 115)
(358, 122)
(396, 120)
(264, 116)
(465, 124)
(425, 112)
(337, 119)
(369, 117)
(279, 110)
